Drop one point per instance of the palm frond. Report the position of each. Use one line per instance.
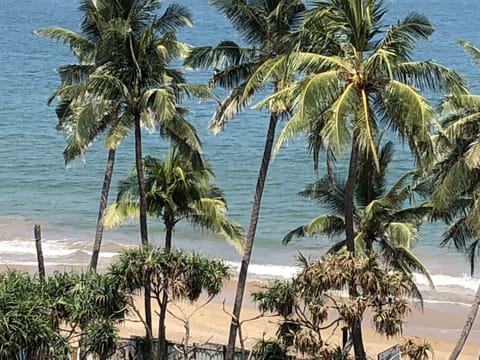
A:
(326, 194)
(118, 212)
(472, 156)
(399, 40)
(471, 49)
(409, 114)
(314, 97)
(328, 225)
(452, 183)
(403, 260)
(248, 20)
(174, 18)
(210, 214)
(457, 233)
(80, 46)
(429, 75)
(226, 54)
(228, 108)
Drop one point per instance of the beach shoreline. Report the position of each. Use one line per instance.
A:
(438, 323)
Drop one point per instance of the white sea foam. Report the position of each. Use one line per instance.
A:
(263, 271)
(441, 302)
(50, 248)
(442, 281)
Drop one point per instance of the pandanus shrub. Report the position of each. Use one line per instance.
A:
(315, 301)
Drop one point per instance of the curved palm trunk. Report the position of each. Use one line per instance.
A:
(162, 338)
(467, 327)
(107, 180)
(143, 220)
(242, 277)
(356, 328)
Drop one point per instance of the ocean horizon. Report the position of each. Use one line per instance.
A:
(37, 187)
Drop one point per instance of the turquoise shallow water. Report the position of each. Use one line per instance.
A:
(36, 187)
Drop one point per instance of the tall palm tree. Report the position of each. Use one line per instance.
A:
(456, 181)
(137, 50)
(134, 51)
(176, 189)
(79, 118)
(343, 101)
(382, 222)
(266, 28)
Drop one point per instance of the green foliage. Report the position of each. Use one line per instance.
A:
(267, 29)
(185, 276)
(456, 176)
(176, 189)
(269, 350)
(314, 301)
(100, 338)
(386, 218)
(33, 312)
(25, 322)
(363, 83)
(417, 349)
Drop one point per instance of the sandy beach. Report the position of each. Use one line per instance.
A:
(440, 324)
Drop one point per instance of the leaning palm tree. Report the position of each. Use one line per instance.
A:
(266, 27)
(134, 53)
(343, 101)
(382, 222)
(176, 189)
(457, 181)
(81, 120)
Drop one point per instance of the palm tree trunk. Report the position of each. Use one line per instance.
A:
(141, 181)
(169, 224)
(242, 277)
(143, 222)
(101, 210)
(162, 338)
(349, 193)
(467, 327)
(356, 328)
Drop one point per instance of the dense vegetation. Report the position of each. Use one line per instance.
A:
(342, 79)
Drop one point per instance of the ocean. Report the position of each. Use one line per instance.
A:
(37, 187)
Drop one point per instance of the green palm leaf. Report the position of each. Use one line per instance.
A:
(80, 46)
(328, 225)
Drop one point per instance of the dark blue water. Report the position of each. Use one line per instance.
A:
(36, 187)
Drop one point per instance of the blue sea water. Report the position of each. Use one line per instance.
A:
(37, 187)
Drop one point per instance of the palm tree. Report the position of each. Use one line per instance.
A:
(266, 28)
(134, 52)
(457, 181)
(343, 101)
(138, 49)
(382, 223)
(79, 118)
(176, 189)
